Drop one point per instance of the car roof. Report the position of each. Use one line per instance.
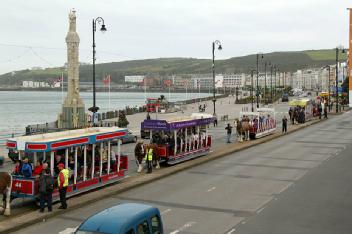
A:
(118, 218)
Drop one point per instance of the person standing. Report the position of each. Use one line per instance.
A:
(229, 132)
(149, 158)
(325, 110)
(26, 169)
(215, 120)
(62, 181)
(46, 187)
(284, 124)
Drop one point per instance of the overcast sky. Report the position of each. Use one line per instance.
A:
(33, 32)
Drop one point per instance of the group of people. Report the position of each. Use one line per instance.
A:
(46, 180)
(297, 114)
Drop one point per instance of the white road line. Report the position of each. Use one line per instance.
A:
(211, 189)
(187, 225)
(231, 231)
(165, 211)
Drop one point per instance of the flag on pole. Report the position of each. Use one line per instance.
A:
(107, 80)
(58, 80)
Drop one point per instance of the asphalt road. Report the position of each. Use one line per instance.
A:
(299, 183)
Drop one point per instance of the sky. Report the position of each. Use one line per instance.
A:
(33, 32)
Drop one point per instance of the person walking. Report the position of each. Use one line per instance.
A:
(229, 131)
(325, 111)
(149, 158)
(284, 125)
(46, 187)
(138, 154)
(62, 181)
(215, 120)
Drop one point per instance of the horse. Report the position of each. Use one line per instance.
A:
(239, 130)
(5, 188)
(156, 157)
(246, 126)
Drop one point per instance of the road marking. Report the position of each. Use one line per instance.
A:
(231, 231)
(211, 189)
(187, 225)
(68, 231)
(165, 211)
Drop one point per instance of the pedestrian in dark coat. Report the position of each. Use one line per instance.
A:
(228, 131)
(46, 187)
(284, 124)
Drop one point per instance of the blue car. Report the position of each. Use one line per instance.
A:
(126, 218)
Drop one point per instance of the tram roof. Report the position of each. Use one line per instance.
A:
(196, 119)
(70, 138)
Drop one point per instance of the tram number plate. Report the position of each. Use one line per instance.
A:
(23, 186)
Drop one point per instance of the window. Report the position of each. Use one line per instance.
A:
(143, 228)
(155, 225)
(130, 231)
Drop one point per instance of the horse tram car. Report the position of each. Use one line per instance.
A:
(89, 154)
(181, 138)
(261, 123)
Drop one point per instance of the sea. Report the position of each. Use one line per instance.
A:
(22, 108)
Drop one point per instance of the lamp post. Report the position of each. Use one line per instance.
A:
(328, 68)
(214, 43)
(336, 78)
(257, 90)
(271, 83)
(252, 99)
(98, 20)
(265, 97)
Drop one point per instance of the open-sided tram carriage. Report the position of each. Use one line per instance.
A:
(87, 153)
(181, 138)
(263, 122)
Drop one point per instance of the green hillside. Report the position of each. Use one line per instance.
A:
(286, 61)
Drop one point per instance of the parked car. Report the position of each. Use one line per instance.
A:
(129, 138)
(284, 97)
(125, 218)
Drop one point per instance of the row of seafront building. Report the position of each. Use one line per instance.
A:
(308, 79)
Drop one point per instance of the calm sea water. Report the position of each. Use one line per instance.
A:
(21, 108)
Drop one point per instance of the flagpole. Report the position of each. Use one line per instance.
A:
(145, 90)
(169, 93)
(62, 87)
(109, 91)
(199, 90)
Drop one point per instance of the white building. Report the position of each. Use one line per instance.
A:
(234, 80)
(134, 79)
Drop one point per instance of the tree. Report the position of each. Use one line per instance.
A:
(122, 122)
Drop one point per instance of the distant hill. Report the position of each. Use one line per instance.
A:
(286, 61)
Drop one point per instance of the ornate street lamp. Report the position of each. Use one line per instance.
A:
(214, 43)
(328, 68)
(98, 20)
(257, 90)
(251, 93)
(336, 78)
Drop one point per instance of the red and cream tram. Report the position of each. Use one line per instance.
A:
(90, 154)
(181, 138)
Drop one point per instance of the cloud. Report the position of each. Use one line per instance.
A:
(167, 28)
